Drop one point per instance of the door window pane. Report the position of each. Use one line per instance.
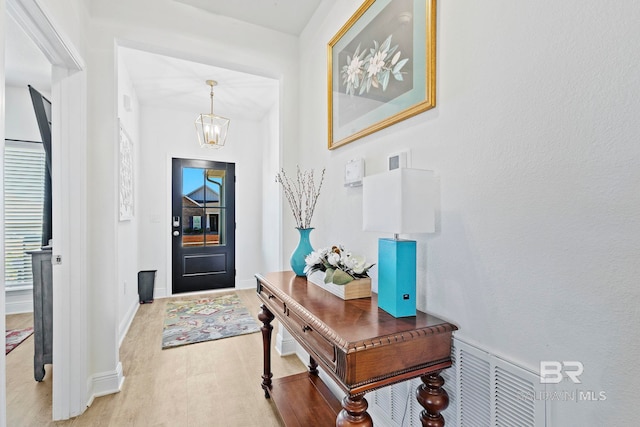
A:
(203, 209)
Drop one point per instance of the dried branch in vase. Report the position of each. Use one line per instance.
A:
(302, 194)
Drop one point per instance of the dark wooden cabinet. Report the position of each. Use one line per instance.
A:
(42, 310)
(361, 347)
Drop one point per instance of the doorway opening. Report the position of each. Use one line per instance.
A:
(67, 86)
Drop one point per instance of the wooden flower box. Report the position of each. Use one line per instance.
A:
(359, 288)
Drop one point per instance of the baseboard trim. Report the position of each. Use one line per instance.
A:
(285, 343)
(18, 301)
(128, 319)
(246, 284)
(107, 382)
(160, 293)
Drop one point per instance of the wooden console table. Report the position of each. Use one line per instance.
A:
(361, 347)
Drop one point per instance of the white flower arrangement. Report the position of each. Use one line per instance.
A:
(301, 194)
(362, 72)
(340, 266)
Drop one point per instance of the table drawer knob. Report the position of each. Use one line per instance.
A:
(306, 328)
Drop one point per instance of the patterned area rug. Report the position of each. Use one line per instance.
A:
(205, 319)
(14, 337)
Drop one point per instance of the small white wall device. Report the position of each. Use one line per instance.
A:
(397, 161)
(353, 173)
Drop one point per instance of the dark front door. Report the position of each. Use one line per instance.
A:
(203, 225)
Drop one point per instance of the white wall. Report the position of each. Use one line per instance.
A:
(21, 123)
(128, 230)
(167, 134)
(534, 141)
(70, 16)
(271, 196)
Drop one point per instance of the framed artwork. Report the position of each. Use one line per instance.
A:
(125, 176)
(381, 68)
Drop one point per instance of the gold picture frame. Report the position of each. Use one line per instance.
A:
(381, 68)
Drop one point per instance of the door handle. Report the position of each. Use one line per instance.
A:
(176, 233)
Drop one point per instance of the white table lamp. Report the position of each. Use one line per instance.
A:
(400, 201)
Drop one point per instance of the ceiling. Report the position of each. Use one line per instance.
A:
(176, 83)
(166, 82)
(287, 16)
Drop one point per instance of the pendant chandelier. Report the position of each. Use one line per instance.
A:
(211, 129)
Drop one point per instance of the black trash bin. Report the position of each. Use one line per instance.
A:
(146, 280)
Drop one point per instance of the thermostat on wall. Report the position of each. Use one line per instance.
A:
(353, 173)
(397, 161)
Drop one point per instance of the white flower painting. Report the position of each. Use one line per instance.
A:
(373, 68)
(381, 67)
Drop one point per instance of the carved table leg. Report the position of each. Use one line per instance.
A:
(354, 412)
(433, 398)
(313, 366)
(265, 316)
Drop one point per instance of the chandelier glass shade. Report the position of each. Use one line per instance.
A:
(211, 129)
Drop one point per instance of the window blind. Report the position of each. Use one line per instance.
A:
(24, 164)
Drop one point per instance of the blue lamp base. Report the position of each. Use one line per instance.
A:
(397, 277)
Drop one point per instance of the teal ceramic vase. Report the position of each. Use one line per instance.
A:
(302, 250)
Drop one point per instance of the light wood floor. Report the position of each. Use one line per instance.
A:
(215, 383)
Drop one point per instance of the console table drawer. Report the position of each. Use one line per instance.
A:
(275, 304)
(323, 348)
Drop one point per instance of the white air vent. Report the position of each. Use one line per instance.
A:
(473, 388)
(513, 390)
(484, 390)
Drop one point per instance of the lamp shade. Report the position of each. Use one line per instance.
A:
(212, 130)
(400, 201)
